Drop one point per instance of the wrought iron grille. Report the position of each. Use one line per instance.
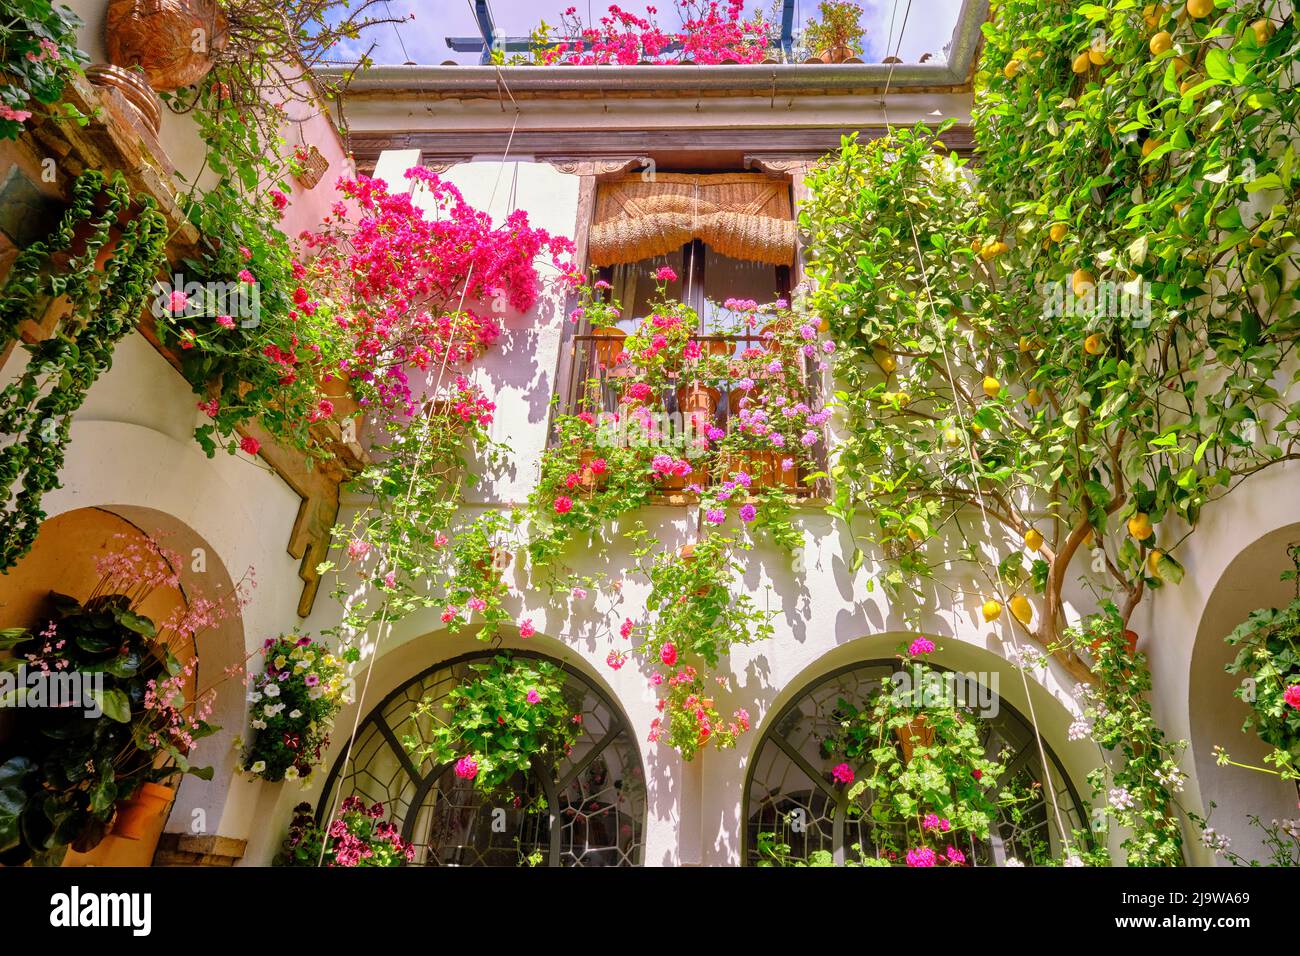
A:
(790, 795)
(595, 794)
(595, 383)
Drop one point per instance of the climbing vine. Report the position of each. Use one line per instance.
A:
(105, 301)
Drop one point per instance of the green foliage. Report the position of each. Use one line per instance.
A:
(1268, 653)
(64, 769)
(600, 477)
(37, 407)
(1137, 785)
(945, 793)
(38, 50)
(516, 709)
(480, 555)
(837, 29)
(695, 613)
(361, 838)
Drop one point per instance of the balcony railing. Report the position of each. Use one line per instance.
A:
(594, 381)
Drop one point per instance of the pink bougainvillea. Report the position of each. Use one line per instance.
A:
(712, 31)
(408, 288)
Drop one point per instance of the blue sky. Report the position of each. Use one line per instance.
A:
(929, 25)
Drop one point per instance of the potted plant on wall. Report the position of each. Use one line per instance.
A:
(1268, 656)
(69, 774)
(293, 704)
(358, 835)
(836, 34)
(38, 50)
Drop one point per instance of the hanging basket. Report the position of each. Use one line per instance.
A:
(915, 733)
(609, 346)
(312, 167)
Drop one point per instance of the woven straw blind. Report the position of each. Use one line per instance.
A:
(741, 215)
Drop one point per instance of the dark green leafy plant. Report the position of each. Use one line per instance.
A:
(494, 725)
(64, 769)
(1268, 653)
(1137, 784)
(38, 50)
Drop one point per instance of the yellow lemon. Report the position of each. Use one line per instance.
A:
(1096, 56)
(1011, 69)
(1263, 30)
(1033, 540)
(1094, 344)
(1199, 9)
(1081, 63)
(992, 386)
(1153, 14)
(1022, 609)
(886, 361)
(1082, 282)
(1139, 526)
(1161, 42)
(1033, 399)
(1058, 231)
(1153, 563)
(991, 610)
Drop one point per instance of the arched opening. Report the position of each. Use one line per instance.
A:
(1252, 580)
(64, 559)
(789, 792)
(595, 795)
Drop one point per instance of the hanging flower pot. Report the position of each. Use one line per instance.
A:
(337, 387)
(171, 40)
(609, 346)
(763, 465)
(591, 469)
(497, 560)
(134, 816)
(915, 733)
(698, 398)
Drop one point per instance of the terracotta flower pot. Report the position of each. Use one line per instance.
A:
(338, 389)
(609, 346)
(495, 564)
(686, 553)
(836, 54)
(135, 815)
(160, 37)
(589, 479)
(763, 465)
(135, 90)
(916, 733)
(698, 398)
